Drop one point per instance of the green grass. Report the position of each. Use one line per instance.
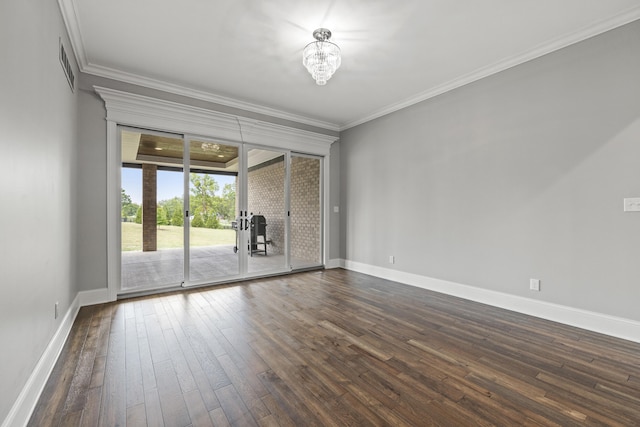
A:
(170, 236)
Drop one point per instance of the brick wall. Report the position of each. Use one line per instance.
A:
(266, 197)
(305, 210)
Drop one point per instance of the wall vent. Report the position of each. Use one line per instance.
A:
(66, 66)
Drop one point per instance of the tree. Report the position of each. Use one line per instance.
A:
(174, 209)
(228, 202)
(212, 222)
(177, 218)
(139, 215)
(203, 200)
(128, 208)
(197, 221)
(161, 216)
(124, 197)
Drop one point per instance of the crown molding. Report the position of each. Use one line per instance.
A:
(619, 20)
(143, 111)
(176, 89)
(70, 17)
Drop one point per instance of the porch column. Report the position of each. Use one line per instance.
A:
(149, 208)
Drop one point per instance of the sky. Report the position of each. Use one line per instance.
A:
(169, 184)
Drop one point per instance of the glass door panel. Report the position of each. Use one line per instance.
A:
(266, 239)
(213, 206)
(151, 210)
(306, 211)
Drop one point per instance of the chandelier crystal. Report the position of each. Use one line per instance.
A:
(321, 58)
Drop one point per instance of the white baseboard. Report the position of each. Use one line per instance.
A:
(96, 296)
(597, 322)
(334, 263)
(24, 405)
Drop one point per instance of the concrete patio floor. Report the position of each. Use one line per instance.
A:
(165, 267)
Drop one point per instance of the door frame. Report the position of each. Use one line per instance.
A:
(127, 109)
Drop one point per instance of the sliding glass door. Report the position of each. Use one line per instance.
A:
(196, 210)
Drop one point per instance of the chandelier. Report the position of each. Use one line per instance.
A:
(321, 58)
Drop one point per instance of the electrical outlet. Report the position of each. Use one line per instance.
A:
(534, 284)
(55, 311)
(392, 259)
(632, 205)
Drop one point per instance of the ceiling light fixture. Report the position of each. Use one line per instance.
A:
(321, 58)
(209, 146)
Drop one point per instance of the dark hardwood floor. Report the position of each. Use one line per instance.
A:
(333, 348)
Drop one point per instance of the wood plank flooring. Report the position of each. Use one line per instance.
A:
(333, 348)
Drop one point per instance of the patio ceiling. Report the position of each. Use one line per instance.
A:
(139, 148)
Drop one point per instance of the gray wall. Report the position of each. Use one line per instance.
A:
(335, 236)
(38, 191)
(520, 175)
(91, 224)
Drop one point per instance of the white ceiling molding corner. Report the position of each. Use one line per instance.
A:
(619, 20)
(70, 18)
(155, 114)
(141, 111)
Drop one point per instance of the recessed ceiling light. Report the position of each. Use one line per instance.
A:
(220, 155)
(158, 149)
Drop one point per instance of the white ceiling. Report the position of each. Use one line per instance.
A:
(248, 53)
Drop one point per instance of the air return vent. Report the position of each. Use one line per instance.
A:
(66, 66)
